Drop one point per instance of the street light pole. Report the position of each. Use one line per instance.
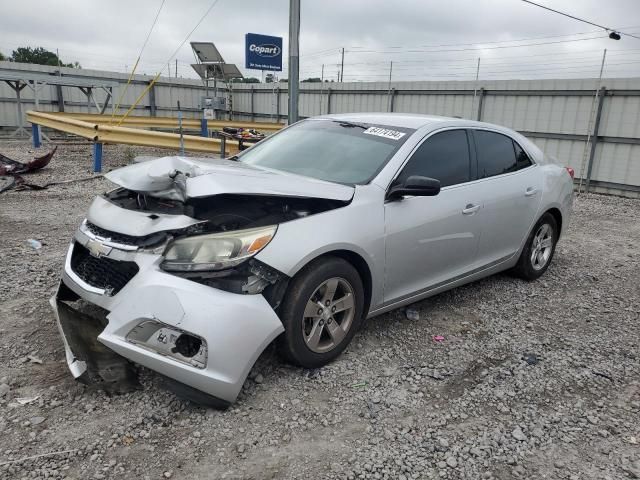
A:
(294, 59)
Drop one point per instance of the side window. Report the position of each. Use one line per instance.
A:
(522, 159)
(444, 156)
(496, 154)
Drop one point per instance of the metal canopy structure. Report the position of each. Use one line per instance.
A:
(18, 80)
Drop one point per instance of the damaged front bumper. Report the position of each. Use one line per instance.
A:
(202, 337)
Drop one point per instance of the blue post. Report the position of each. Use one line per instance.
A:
(204, 129)
(35, 133)
(97, 157)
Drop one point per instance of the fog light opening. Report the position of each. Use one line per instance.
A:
(170, 342)
(187, 345)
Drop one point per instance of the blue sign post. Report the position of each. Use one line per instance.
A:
(263, 52)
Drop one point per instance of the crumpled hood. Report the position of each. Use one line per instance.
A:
(179, 178)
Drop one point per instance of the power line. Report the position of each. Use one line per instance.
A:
(155, 79)
(486, 48)
(337, 49)
(610, 30)
(591, 32)
(135, 66)
(574, 55)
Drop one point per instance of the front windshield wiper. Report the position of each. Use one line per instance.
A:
(233, 158)
(344, 123)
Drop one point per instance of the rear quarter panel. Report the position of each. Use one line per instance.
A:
(557, 184)
(557, 192)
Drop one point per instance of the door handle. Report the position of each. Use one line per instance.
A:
(529, 192)
(470, 209)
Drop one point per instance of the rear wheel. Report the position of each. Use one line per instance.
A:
(321, 312)
(539, 249)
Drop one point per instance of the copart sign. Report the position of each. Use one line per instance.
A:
(263, 52)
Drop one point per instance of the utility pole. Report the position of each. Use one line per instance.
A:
(475, 86)
(389, 92)
(342, 66)
(176, 70)
(294, 59)
(321, 88)
(589, 126)
(59, 67)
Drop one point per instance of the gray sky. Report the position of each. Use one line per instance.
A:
(425, 39)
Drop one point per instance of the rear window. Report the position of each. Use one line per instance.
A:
(332, 150)
(498, 154)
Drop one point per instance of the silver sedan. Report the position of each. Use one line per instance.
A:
(191, 267)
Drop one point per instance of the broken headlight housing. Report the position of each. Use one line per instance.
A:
(216, 251)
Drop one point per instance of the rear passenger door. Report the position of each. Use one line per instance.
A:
(511, 193)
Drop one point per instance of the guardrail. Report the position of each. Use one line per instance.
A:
(101, 133)
(168, 122)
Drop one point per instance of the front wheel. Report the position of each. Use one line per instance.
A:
(321, 312)
(539, 249)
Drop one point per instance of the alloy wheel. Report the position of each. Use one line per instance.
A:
(542, 246)
(328, 315)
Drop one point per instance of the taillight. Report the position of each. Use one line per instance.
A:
(570, 171)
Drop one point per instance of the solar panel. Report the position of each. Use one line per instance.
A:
(221, 71)
(207, 52)
(230, 71)
(200, 69)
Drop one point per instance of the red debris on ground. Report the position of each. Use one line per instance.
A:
(12, 167)
(10, 170)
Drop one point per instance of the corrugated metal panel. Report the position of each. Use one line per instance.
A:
(519, 104)
(567, 152)
(617, 163)
(621, 117)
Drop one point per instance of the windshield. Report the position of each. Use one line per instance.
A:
(332, 150)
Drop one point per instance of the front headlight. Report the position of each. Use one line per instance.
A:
(216, 251)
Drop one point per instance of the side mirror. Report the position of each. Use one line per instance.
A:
(415, 185)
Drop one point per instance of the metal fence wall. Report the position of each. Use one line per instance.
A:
(161, 100)
(555, 114)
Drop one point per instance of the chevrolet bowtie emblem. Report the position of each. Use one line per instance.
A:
(97, 249)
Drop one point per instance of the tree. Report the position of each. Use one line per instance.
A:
(2, 57)
(245, 80)
(269, 78)
(39, 56)
(312, 80)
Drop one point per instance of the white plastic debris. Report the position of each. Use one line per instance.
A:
(34, 359)
(24, 401)
(35, 244)
(412, 314)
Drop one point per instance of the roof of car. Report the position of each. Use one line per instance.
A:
(406, 120)
(417, 121)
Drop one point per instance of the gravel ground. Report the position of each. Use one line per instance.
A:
(533, 380)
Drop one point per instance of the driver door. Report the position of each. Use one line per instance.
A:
(431, 240)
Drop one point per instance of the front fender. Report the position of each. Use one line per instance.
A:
(357, 227)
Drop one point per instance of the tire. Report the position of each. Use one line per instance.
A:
(545, 232)
(316, 332)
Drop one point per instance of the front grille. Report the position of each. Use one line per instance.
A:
(105, 273)
(115, 237)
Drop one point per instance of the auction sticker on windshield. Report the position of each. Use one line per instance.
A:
(384, 132)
